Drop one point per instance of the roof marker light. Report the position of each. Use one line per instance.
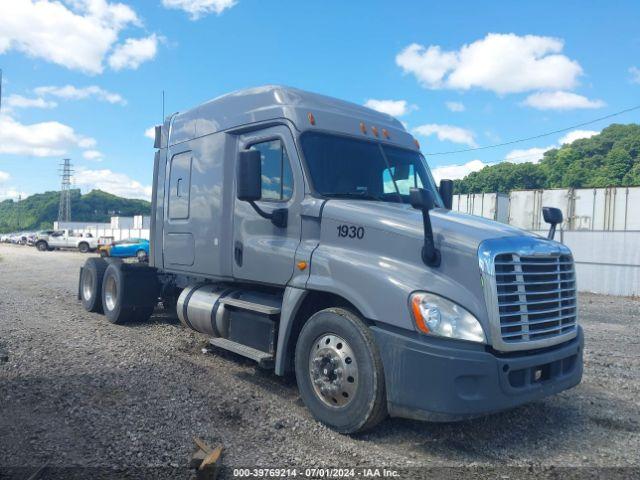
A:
(363, 128)
(385, 133)
(312, 119)
(374, 130)
(416, 143)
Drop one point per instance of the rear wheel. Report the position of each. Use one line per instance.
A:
(83, 247)
(141, 255)
(42, 246)
(129, 292)
(91, 284)
(339, 371)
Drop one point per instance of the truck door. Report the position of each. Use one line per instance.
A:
(56, 239)
(71, 239)
(263, 252)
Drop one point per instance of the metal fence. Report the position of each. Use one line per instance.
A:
(607, 262)
(610, 209)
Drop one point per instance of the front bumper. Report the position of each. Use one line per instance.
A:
(433, 379)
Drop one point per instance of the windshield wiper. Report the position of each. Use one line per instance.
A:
(356, 195)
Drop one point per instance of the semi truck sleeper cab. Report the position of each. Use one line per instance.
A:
(308, 234)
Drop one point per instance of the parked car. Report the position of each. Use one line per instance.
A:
(31, 239)
(67, 239)
(131, 247)
(19, 239)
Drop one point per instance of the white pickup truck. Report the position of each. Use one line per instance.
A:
(66, 239)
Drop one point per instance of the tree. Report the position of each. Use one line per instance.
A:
(609, 159)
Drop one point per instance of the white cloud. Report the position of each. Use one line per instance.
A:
(76, 34)
(635, 74)
(112, 182)
(133, 52)
(560, 100)
(70, 92)
(455, 106)
(12, 193)
(45, 139)
(92, 155)
(455, 172)
(395, 108)
(4, 176)
(502, 63)
(528, 155)
(448, 133)
(577, 135)
(198, 8)
(150, 133)
(18, 101)
(535, 154)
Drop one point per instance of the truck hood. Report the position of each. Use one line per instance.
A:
(450, 229)
(370, 246)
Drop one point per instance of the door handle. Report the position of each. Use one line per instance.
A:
(237, 253)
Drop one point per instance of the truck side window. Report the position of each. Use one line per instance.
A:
(277, 179)
(180, 186)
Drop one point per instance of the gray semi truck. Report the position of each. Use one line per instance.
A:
(307, 233)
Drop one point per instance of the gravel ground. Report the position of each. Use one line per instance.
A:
(78, 391)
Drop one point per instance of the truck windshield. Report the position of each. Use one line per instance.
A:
(343, 167)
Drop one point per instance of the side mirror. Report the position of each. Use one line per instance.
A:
(249, 186)
(552, 216)
(446, 192)
(249, 176)
(422, 199)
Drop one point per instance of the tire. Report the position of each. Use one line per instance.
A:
(83, 247)
(128, 294)
(141, 255)
(90, 289)
(42, 246)
(353, 397)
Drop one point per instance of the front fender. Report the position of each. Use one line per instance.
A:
(379, 285)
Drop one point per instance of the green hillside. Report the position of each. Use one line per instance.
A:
(609, 159)
(39, 211)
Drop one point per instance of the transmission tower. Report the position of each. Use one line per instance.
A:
(64, 210)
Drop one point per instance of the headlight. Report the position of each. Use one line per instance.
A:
(435, 315)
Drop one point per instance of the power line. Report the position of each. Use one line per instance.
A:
(542, 135)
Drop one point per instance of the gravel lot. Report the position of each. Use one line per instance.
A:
(78, 391)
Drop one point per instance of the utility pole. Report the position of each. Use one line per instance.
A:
(64, 209)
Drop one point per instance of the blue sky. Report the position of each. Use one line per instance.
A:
(83, 78)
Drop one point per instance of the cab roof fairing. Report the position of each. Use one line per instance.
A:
(266, 103)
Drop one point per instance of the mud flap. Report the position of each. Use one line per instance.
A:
(80, 284)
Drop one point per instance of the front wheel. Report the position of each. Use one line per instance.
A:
(141, 255)
(83, 247)
(42, 246)
(339, 371)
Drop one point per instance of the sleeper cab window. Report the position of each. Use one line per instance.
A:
(180, 186)
(277, 179)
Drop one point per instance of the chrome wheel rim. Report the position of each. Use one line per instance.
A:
(87, 285)
(333, 370)
(110, 293)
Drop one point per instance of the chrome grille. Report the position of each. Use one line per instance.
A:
(536, 296)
